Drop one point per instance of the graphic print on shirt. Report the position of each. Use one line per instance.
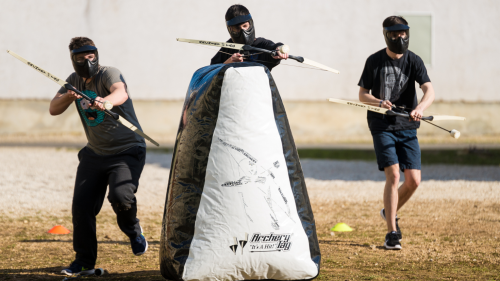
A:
(392, 76)
(92, 117)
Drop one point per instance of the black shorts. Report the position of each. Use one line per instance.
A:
(397, 147)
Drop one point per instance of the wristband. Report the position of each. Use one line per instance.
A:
(380, 103)
(108, 105)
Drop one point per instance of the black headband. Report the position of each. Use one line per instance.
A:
(83, 49)
(397, 27)
(239, 19)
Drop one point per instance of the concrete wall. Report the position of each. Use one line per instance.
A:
(313, 123)
(138, 37)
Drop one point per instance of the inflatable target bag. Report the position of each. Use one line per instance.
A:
(237, 206)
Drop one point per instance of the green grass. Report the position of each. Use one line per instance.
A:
(470, 156)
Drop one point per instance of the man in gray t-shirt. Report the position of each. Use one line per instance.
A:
(114, 155)
(105, 136)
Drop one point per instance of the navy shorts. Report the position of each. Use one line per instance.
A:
(395, 147)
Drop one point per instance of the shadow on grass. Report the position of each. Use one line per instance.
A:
(53, 273)
(68, 241)
(470, 156)
(361, 164)
(346, 243)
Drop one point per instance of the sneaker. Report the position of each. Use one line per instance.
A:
(75, 268)
(392, 241)
(139, 245)
(398, 230)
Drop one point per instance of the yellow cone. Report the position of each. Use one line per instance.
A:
(341, 227)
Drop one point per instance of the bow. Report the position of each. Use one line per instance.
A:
(243, 47)
(454, 133)
(68, 86)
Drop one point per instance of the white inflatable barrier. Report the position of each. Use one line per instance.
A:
(237, 206)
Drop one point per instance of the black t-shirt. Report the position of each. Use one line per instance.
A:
(262, 58)
(393, 80)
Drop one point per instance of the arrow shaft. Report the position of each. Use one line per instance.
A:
(437, 126)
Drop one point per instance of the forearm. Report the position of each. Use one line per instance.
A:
(60, 103)
(117, 97)
(428, 97)
(366, 97)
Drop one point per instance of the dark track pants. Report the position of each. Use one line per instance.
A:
(95, 172)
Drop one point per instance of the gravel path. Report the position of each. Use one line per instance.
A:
(40, 180)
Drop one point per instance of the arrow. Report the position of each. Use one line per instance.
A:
(386, 111)
(454, 133)
(68, 86)
(243, 47)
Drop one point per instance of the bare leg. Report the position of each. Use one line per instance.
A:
(391, 196)
(412, 181)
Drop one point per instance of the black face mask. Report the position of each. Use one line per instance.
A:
(398, 45)
(87, 68)
(242, 36)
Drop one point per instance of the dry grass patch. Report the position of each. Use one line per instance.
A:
(454, 240)
(442, 240)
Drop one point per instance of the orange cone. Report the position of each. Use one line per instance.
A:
(59, 229)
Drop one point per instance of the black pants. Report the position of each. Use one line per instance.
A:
(95, 172)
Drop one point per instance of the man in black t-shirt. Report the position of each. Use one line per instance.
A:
(240, 26)
(391, 74)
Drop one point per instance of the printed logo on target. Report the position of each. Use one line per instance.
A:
(270, 242)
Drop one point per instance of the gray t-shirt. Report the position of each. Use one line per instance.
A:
(105, 136)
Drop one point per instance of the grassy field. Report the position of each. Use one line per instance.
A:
(451, 227)
(453, 240)
(471, 156)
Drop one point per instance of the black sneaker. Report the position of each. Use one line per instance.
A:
(392, 241)
(398, 230)
(75, 268)
(139, 245)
